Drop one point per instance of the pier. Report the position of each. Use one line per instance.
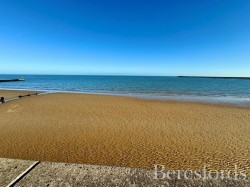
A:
(12, 80)
(208, 77)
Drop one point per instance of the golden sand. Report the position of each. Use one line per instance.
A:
(7, 94)
(121, 131)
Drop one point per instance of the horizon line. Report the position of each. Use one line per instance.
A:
(182, 76)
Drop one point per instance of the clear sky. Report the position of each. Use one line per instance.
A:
(125, 37)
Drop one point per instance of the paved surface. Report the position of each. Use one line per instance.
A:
(62, 174)
(10, 169)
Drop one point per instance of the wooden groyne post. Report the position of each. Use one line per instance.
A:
(2, 100)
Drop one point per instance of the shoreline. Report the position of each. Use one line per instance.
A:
(124, 131)
(228, 101)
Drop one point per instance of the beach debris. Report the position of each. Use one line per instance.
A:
(2, 100)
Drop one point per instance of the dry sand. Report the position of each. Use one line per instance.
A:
(8, 94)
(121, 131)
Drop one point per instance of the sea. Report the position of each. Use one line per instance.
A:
(235, 92)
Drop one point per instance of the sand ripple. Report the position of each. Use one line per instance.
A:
(127, 132)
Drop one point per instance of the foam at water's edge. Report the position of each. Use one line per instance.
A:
(229, 101)
(243, 102)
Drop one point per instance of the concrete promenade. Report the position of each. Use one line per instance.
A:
(32, 174)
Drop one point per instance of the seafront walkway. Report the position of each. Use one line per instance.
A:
(25, 173)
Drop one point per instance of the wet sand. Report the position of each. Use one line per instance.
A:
(121, 131)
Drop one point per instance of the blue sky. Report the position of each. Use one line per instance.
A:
(132, 37)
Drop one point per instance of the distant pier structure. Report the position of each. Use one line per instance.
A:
(208, 77)
(12, 80)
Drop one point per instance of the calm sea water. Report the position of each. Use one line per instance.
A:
(231, 91)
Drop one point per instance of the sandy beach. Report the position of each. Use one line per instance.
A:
(122, 131)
